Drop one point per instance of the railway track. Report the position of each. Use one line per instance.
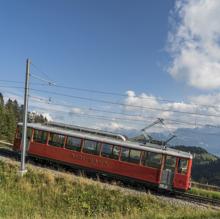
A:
(196, 198)
(205, 186)
(7, 152)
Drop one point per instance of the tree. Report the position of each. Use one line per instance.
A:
(1, 115)
(10, 114)
(1, 100)
(10, 125)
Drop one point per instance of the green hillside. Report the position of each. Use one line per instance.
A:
(44, 194)
(200, 155)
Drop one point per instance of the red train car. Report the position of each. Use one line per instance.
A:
(108, 153)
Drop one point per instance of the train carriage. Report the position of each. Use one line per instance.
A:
(108, 153)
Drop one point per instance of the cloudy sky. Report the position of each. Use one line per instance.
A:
(114, 64)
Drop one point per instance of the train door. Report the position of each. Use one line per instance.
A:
(168, 170)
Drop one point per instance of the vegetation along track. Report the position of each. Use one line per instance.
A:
(196, 198)
(7, 152)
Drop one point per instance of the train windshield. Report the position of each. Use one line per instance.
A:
(182, 166)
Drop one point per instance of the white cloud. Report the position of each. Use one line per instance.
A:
(115, 126)
(76, 110)
(143, 100)
(47, 116)
(170, 111)
(194, 43)
(134, 118)
(209, 99)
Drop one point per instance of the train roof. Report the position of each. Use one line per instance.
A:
(87, 130)
(111, 140)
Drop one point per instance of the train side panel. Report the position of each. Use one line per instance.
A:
(96, 162)
(180, 181)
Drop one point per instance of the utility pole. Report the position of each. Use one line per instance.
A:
(25, 112)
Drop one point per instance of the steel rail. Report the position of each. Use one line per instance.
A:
(196, 198)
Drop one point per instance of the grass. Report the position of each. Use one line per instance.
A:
(205, 193)
(43, 194)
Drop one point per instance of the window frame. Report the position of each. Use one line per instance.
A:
(116, 156)
(128, 158)
(145, 160)
(74, 148)
(178, 166)
(132, 160)
(167, 166)
(105, 154)
(94, 152)
(124, 158)
(39, 140)
(57, 144)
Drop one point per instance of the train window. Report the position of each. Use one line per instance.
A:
(106, 150)
(73, 143)
(130, 155)
(19, 132)
(152, 159)
(134, 156)
(40, 136)
(182, 166)
(91, 147)
(115, 153)
(56, 140)
(125, 154)
(29, 133)
(170, 162)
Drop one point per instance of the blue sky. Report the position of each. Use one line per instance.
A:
(110, 45)
(142, 49)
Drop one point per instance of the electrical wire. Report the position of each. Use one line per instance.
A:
(118, 113)
(105, 118)
(50, 83)
(125, 105)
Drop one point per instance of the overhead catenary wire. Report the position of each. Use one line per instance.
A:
(44, 82)
(167, 110)
(105, 118)
(40, 71)
(49, 82)
(138, 116)
(42, 91)
(169, 121)
(124, 104)
(110, 102)
(113, 119)
(12, 93)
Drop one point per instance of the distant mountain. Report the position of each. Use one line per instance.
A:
(207, 137)
(200, 155)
